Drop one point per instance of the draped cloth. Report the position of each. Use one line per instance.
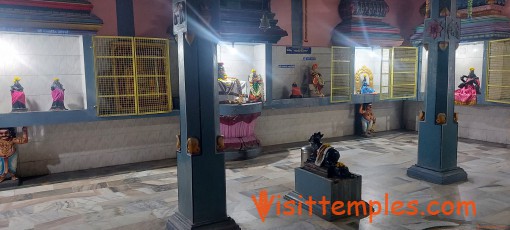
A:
(18, 96)
(239, 131)
(57, 95)
(467, 94)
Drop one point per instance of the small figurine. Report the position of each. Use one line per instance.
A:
(365, 88)
(468, 89)
(8, 151)
(18, 96)
(324, 159)
(57, 93)
(317, 81)
(256, 87)
(367, 120)
(296, 91)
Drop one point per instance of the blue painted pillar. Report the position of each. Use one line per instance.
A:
(201, 173)
(437, 144)
(125, 18)
(269, 73)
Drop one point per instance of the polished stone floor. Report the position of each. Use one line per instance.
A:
(130, 198)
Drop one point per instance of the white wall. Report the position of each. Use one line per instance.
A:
(284, 77)
(78, 146)
(371, 58)
(240, 59)
(37, 59)
(279, 126)
(480, 122)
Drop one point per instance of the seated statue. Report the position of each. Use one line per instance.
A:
(317, 82)
(256, 87)
(296, 91)
(230, 88)
(468, 89)
(324, 159)
(365, 88)
(367, 120)
(18, 96)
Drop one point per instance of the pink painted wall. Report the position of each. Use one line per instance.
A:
(323, 17)
(282, 10)
(105, 9)
(152, 19)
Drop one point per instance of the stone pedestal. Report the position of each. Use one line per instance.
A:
(309, 184)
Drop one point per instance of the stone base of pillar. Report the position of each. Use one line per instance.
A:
(437, 177)
(178, 222)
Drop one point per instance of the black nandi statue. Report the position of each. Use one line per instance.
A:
(324, 159)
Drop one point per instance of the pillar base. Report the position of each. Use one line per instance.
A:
(446, 177)
(177, 221)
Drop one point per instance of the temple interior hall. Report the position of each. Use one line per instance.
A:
(255, 114)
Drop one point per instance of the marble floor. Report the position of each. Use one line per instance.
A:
(144, 199)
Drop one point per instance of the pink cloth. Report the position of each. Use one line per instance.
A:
(18, 96)
(466, 95)
(239, 131)
(57, 95)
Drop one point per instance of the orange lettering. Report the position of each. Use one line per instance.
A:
(434, 202)
(395, 206)
(324, 202)
(335, 207)
(412, 205)
(289, 205)
(350, 204)
(263, 205)
(466, 204)
(371, 207)
(447, 203)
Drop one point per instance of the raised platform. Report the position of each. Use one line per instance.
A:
(344, 195)
(242, 154)
(447, 177)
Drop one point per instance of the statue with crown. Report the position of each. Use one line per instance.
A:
(57, 93)
(256, 87)
(468, 89)
(19, 103)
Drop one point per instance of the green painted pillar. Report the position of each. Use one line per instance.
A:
(201, 174)
(438, 132)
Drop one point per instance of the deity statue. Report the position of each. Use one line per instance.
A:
(230, 88)
(468, 89)
(256, 87)
(8, 151)
(317, 81)
(18, 96)
(296, 91)
(367, 120)
(324, 158)
(57, 93)
(365, 88)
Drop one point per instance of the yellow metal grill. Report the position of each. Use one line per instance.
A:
(341, 61)
(498, 71)
(385, 73)
(132, 76)
(404, 66)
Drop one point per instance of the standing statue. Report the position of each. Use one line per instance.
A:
(8, 151)
(57, 93)
(468, 89)
(256, 87)
(18, 96)
(367, 120)
(317, 81)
